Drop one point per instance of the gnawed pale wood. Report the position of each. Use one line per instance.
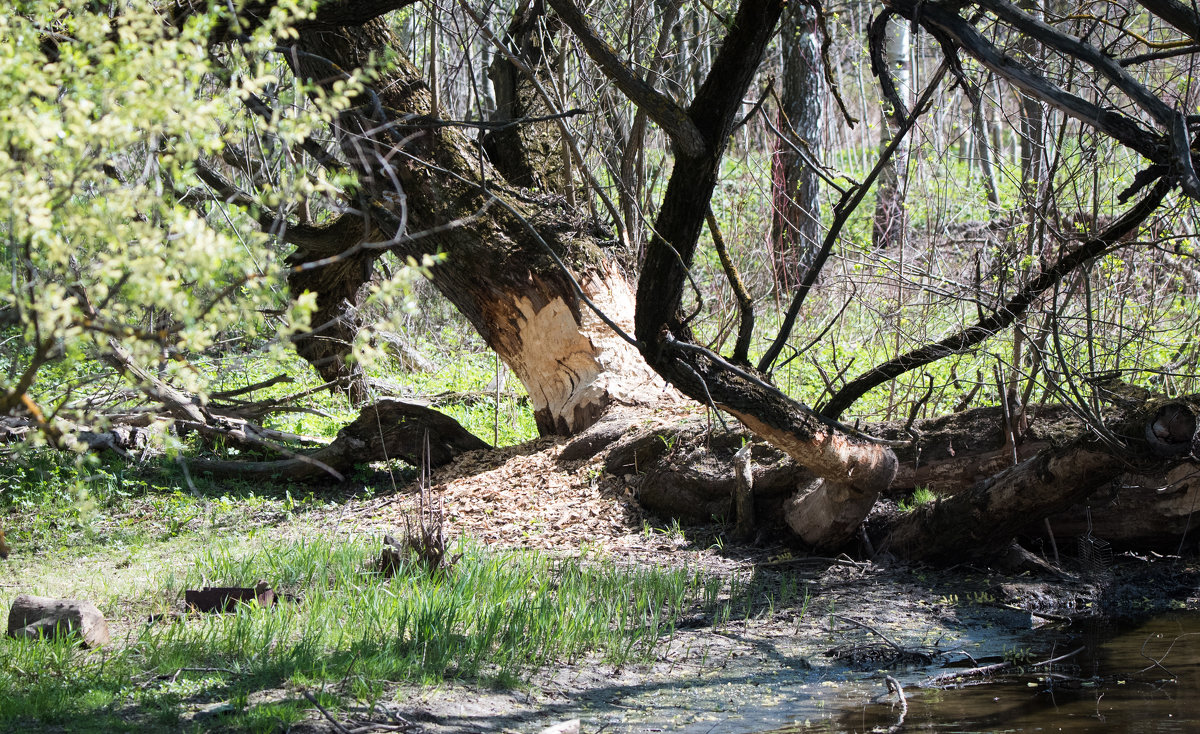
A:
(743, 496)
(36, 617)
(566, 727)
(497, 270)
(852, 471)
(572, 364)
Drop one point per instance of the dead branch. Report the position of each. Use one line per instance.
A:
(1001, 319)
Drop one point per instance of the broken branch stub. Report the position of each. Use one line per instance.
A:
(226, 598)
(1173, 431)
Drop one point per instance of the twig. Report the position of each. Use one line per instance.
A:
(745, 304)
(815, 559)
(984, 670)
(337, 725)
(869, 628)
(1157, 663)
(223, 395)
(895, 687)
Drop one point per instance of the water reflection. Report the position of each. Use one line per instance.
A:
(1140, 678)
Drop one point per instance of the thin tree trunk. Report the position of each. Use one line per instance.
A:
(796, 212)
(889, 223)
(983, 150)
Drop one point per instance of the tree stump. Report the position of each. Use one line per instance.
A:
(743, 496)
(36, 617)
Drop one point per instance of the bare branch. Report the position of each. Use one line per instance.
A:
(1004, 317)
(1180, 15)
(943, 22)
(670, 117)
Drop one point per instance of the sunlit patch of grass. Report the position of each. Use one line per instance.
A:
(920, 496)
(343, 627)
(53, 501)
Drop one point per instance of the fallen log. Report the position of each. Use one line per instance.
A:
(388, 429)
(1151, 511)
(686, 471)
(986, 515)
(227, 598)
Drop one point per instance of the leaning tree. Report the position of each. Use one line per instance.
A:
(599, 333)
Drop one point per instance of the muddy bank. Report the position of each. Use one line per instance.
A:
(805, 661)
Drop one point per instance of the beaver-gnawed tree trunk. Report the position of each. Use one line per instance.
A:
(428, 190)
(521, 269)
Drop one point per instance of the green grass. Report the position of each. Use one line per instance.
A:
(54, 502)
(495, 617)
(131, 541)
(920, 496)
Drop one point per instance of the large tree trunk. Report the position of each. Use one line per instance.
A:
(1145, 492)
(528, 154)
(502, 253)
(1152, 437)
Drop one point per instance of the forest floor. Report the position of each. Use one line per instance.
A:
(810, 632)
(842, 623)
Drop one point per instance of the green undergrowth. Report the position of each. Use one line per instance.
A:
(346, 633)
(52, 502)
(920, 496)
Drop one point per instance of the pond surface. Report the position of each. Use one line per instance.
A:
(1140, 677)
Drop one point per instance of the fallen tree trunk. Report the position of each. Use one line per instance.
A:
(388, 429)
(1156, 434)
(686, 471)
(1154, 511)
(979, 520)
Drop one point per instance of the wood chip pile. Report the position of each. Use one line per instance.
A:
(522, 496)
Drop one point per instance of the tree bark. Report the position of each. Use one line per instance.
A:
(997, 508)
(34, 617)
(527, 154)
(386, 429)
(1137, 496)
(504, 254)
(524, 273)
(796, 212)
(888, 227)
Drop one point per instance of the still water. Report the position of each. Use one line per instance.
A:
(1139, 677)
